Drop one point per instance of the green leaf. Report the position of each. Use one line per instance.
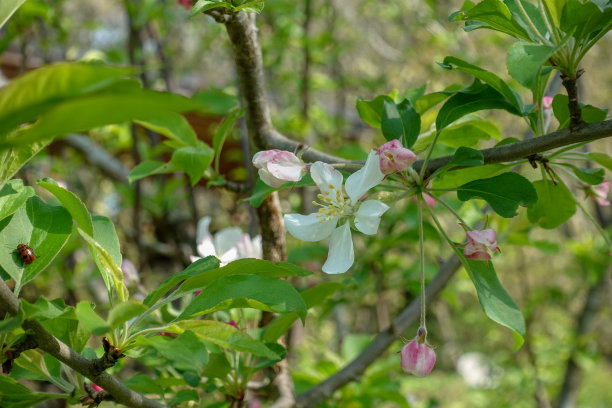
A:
(464, 156)
(184, 395)
(262, 190)
(391, 122)
(7, 8)
(555, 205)
(455, 178)
(590, 114)
(215, 102)
(312, 297)
(44, 309)
(15, 395)
(72, 203)
(123, 312)
(94, 323)
(525, 60)
(589, 176)
(223, 335)
(555, 9)
(243, 267)
(196, 268)
(59, 320)
(370, 111)
(9, 323)
(222, 132)
(34, 361)
(474, 98)
(38, 91)
(504, 193)
(193, 160)
(43, 227)
(12, 196)
(186, 352)
(110, 271)
(490, 79)
(144, 384)
(116, 105)
(106, 235)
(603, 159)
(14, 158)
(585, 19)
(172, 125)
(493, 14)
(495, 301)
(250, 291)
(466, 134)
(203, 5)
(411, 122)
(251, 6)
(149, 168)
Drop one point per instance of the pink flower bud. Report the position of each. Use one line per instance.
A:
(185, 3)
(599, 193)
(276, 167)
(479, 243)
(417, 357)
(96, 387)
(547, 102)
(394, 157)
(168, 334)
(233, 323)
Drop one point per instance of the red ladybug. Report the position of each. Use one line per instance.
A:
(26, 254)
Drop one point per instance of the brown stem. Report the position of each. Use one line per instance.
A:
(571, 87)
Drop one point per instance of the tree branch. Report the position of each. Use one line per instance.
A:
(320, 392)
(247, 54)
(74, 360)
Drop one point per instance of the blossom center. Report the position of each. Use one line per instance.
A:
(332, 205)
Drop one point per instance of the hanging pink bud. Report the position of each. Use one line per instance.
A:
(480, 243)
(599, 193)
(276, 167)
(417, 357)
(394, 157)
(96, 387)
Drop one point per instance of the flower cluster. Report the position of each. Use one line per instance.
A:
(340, 207)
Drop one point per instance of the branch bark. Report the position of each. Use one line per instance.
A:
(74, 360)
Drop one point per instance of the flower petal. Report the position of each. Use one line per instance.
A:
(286, 166)
(269, 179)
(368, 215)
(328, 179)
(226, 239)
(365, 178)
(260, 159)
(476, 251)
(206, 247)
(202, 230)
(341, 255)
(309, 227)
